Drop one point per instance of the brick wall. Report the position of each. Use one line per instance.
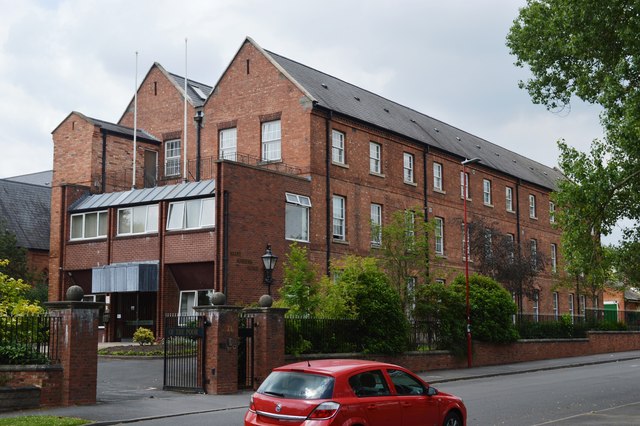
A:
(485, 354)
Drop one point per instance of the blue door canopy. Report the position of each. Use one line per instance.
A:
(125, 277)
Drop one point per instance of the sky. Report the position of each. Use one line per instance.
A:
(446, 59)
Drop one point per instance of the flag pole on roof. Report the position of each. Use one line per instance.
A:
(184, 139)
(135, 125)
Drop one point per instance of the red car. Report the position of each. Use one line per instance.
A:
(348, 392)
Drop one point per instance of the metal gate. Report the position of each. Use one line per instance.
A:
(245, 352)
(184, 352)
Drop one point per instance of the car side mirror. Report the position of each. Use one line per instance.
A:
(431, 391)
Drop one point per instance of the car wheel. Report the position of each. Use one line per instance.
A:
(452, 419)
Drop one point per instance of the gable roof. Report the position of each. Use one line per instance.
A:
(198, 92)
(25, 211)
(120, 130)
(39, 178)
(349, 100)
(193, 88)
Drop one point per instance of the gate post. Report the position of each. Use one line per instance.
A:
(77, 349)
(221, 348)
(268, 340)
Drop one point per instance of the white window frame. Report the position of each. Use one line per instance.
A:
(80, 219)
(532, 206)
(466, 242)
(149, 214)
(554, 257)
(582, 300)
(228, 144)
(376, 225)
(486, 192)
(375, 158)
(271, 141)
(172, 153)
(464, 176)
(536, 305)
(437, 176)
(337, 147)
(181, 212)
(552, 212)
(339, 218)
(408, 166)
(533, 246)
(512, 240)
(571, 306)
(439, 236)
(298, 205)
(186, 303)
(508, 194)
(556, 307)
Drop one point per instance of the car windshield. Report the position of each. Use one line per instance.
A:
(297, 385)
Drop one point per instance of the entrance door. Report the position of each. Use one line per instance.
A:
(150, 168)
(133, 310)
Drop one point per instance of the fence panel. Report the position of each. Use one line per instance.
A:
(29, 339)
(322, 335)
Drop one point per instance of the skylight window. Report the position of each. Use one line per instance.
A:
(199, 91)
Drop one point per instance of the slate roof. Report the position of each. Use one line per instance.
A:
(25, 211)
(345, 98)
(122, 130)
(144, 196)
(38, 178)
(195, 90)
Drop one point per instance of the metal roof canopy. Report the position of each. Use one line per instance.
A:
(145, 196)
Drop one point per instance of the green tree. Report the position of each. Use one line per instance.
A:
(17, 256)
(498, 256)
(361, 291)
(299, 291)
(404, 252)
(588, 49)
(444, 306)
(12, 295)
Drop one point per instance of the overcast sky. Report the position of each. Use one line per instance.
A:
(446, 59)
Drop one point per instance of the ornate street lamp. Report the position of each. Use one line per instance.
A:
(269, 260)
(466, 255)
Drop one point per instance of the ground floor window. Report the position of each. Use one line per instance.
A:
(191, 298)
(103, 312)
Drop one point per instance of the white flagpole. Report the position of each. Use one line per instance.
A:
(186, 172)
(135, 125)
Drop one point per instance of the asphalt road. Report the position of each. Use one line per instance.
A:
(603, 394)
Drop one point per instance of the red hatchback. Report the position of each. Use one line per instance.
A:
(349, 393)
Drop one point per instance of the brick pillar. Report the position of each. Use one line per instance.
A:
(268, 340)
(221, 346)
(77, 349)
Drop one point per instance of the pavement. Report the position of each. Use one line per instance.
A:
(130, 390)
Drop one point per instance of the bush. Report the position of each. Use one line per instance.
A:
(445, 305)
(362, 292)
(143, 336)
(21, 355)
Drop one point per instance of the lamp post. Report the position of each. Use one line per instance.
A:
(269, 260)
(466, 255)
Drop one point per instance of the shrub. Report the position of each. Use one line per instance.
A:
(445, 305)
(362, 292)
(143, 336)
(21, 355)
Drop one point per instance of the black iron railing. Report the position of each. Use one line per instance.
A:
(30, 339)
(121, 180)
(322, 335)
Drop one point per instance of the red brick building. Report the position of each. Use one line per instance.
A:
(275, 152)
